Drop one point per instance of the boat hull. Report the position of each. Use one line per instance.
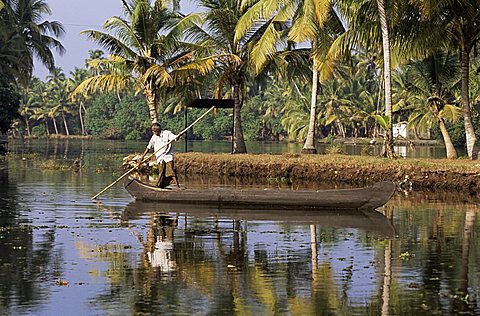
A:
(342, 199)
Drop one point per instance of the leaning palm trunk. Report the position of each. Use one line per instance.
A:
(80, 115)
(309, 146)
(55, 125)
(238, 141)
(471, 138)
(451, 151)
(388, 140)
(65, 124)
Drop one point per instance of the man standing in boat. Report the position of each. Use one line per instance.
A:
(164, 155)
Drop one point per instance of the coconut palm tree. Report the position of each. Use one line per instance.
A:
(295, 118)
(57, 87)
(26, 35)
(94, 62)
(344, 104)
(78, 76)
(30, 102)
(309, 21)
(387, 77)
(431, 83)
(370, 24)
(40, 114)
(12, 54)
(233, 67)
(145, 50)
(456, 25)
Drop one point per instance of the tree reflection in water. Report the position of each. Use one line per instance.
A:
(224, 264)
(29, 262)
(218, 264)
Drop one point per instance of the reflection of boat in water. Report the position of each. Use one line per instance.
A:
(368, 220)
(338, 199)
(3, 169)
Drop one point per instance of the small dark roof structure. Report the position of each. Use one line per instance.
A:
(208, 103)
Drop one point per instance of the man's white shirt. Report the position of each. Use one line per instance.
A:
(156, 142)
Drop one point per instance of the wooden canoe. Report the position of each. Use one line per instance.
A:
(341, 199)
(367, 220)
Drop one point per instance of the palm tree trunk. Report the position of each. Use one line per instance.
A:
(80, 115)
(151, 98)
(388, 141)
(65, 124)
(471, 138)
(55, 125)
(341, 128)
(28, 127)
(238, 141)
(451, 151)
(309, 146)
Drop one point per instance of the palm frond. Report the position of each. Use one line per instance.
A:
(103, 83)
(110, 43)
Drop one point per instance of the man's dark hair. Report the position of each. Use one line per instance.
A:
(156, 124)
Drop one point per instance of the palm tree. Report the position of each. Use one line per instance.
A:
(311, 21)
(93, 63)
(296, 118)
(30, 102)
(387, 77)
(57, 87)
(271, 105)
(337, 106)
(145, 50)
(78, 76)
(431, 83)
(348, 101)
(232, 55)
(41, 113)
(12, 54)
(367, 28)
(456, 25)
(28, 36)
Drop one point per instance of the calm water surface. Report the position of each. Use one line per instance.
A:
(62, 253)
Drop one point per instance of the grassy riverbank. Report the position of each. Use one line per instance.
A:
(459, 175)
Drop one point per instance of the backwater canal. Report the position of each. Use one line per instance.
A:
(63, 254)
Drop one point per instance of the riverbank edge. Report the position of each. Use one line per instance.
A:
(419, 174)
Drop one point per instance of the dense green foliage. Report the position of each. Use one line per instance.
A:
(275, 96)
(109, 117)
(9, 104)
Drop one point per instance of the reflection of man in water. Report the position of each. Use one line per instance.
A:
(160, 243)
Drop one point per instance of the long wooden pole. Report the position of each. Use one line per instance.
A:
(150, 156)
